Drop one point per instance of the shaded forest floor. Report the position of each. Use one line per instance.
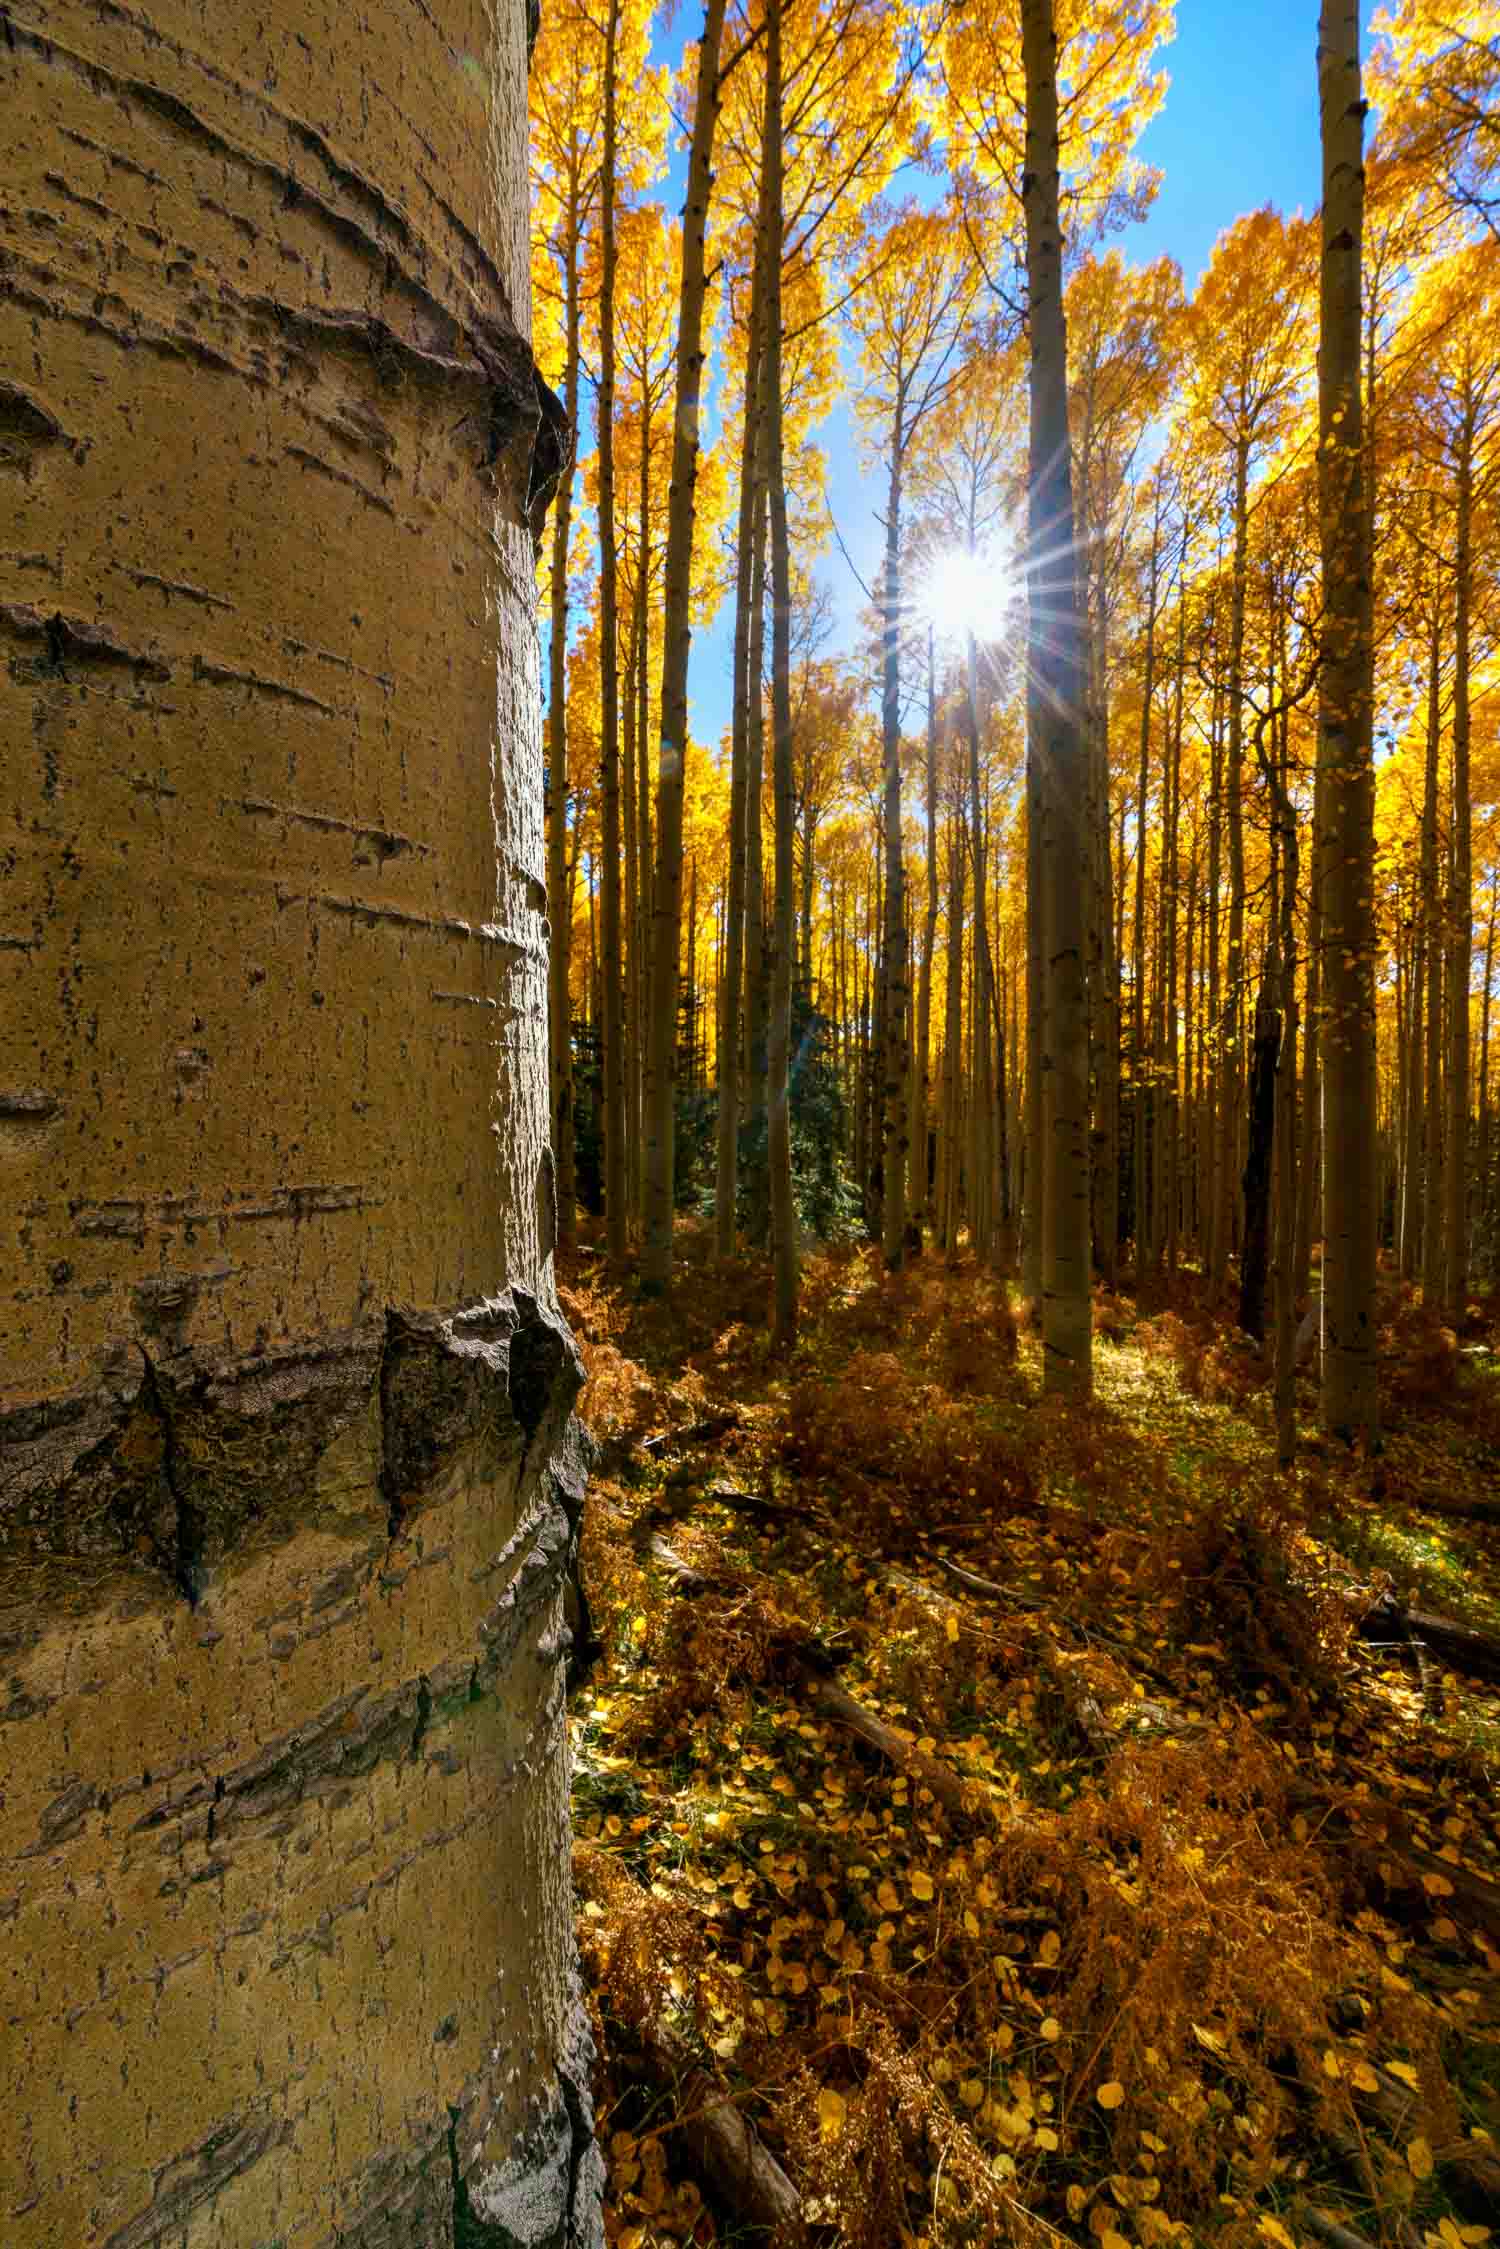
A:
(1035, 1825)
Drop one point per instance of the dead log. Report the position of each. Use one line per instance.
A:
(1328, 2229)
(732, 2158)
(1462, 1646)
(1401, 1849)
(693, 1433)
(965, 1799)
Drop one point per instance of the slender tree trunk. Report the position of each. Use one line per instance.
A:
(953, 1040)
(559, 905)
(616, 1215)
(1482, 1168)
(1347, 841)
(1460, 910)
(1411, 1168)
(632, 915)
(757, 980)
(1142, 1226)
(1036, 1013)
(661, 1071)
(1231, 1063)
(779, 1127)
(645, 878)
(1053, 708)
(896, 970)
(1432, 950)
(921, 1102)
(726, 1193)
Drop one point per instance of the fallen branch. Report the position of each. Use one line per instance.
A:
(963, 1798)
(956, 1795)
(732, 2157)
(1328, 2229)
(694, 1433)
(1401, 1848)
(1461, 1645)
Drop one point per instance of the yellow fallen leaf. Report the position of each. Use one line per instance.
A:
(1364, 2078)
(1332, 2066)
(1110, 2095)
(1209, 2038)
(832, 2110)
(1275, 2231)
(971, 2091)
(1046, 2138)
(921, 1886)
(1109, 2239)
(1051, 2029)
(888, 1898)
(1049, 1951)
(1437, 1885)
(1406, 2073)
(1419, 2158)
(951, 1622)
(1077, 2202)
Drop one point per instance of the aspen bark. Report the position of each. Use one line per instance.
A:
(727, 1172)
(288, 1485)
(921, 1079)
(778, 1088)
(666, 907)
(1054, 712)
(1142, 1229)
(1460, 917)
(1346, 843)
(610, 920)
(559, 903)
(895, 977)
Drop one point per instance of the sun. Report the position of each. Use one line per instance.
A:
(970, 591)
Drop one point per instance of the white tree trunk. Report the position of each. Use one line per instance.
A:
(287, 1493)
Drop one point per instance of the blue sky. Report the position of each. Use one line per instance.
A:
(1239, 128)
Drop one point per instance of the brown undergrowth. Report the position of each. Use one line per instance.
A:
(1137, 1974)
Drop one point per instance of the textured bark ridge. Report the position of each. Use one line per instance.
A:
(289, 1482)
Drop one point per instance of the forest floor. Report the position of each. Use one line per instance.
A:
(998, 1823)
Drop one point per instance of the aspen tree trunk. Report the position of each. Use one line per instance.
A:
(1036, 1015)
(921, 1082)
(630, 786)
(953, 1043)
(757, 980)
(1432, 951)
(559, 904)
(641, 815)
(1346, 843)
(1142, 1228)
(726, 1191)
(1211, 1042)
(1284, 1377)
(289, 1478)
(1192, 1050)
(896, 969)
(1460, 919)
(1411, 1173)
(661, 1029)
(1482, 1165)
(1054, 712)
(1170, 1169)
(610, 932)
(1311, 1133)
(1102, 985)
(1231, 1061)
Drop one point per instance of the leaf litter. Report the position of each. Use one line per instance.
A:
(992, 1822)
